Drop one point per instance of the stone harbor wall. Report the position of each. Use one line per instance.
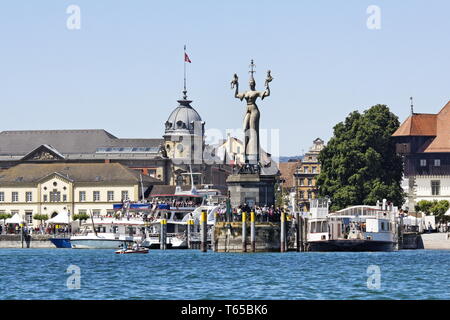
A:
(228, 237)
(436, 241)
(33, 241)
(411, 241)
(428, 241)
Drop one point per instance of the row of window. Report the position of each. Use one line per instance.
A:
(55, 196)
(15, 196)
(110, 196)
(309, 170)
(96, 213)
(436, 162)
(307, 195)
(309, 182)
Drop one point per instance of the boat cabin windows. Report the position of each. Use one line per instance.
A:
(179, 215)
(385, 226)
(100, 229)
(131, 230)
(318, 227)
(170, 228)
(378, 225)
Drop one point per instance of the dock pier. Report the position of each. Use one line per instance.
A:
(244, 232)
(203, 232)
(252, 231)
(163, 235)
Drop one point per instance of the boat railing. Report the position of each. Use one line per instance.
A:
(375, 214)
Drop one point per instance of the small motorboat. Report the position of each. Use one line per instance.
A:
(126, 251)
(136, 248)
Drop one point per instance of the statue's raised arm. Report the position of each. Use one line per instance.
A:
(235, 85)
(269, 78)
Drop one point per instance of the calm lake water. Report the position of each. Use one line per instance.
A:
(190, 274)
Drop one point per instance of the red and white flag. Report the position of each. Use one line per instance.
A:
(186, 58)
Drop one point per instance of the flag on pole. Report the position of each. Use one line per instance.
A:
(186, 58)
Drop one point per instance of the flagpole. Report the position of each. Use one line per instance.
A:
(184, 59)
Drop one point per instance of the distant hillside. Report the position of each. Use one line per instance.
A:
(286, 159)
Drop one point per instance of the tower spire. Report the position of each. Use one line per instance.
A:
(412, 105)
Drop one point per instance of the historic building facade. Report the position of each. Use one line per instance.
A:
(53, 188)
(306, 176)
(288, 183)
(171, 159)
(423, 140)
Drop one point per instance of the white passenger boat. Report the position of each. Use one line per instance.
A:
(97, 241)
(357, 228)
(108, 233)
(177, 219)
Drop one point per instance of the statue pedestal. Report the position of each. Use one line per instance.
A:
(253, 189)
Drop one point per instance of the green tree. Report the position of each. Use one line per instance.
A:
(278, 196)
(4, 216)
(359, 163)
(80, 216)
(40, 217)
(437, 208)
(424, 206)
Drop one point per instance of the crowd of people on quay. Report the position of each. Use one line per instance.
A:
(262, 214)
(50, 229)
(172, 204)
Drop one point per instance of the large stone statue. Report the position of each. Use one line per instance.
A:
(251, 119)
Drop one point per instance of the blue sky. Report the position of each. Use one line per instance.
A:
(123, 70)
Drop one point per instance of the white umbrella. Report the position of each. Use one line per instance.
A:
(61, 218)
(15, 219)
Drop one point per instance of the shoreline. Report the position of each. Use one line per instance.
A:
(431, 241)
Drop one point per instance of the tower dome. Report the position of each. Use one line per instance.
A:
(184, 119)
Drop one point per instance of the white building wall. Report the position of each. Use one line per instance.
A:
(72, 203)
(423, 188)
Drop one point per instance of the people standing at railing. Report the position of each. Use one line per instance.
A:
(258, 213)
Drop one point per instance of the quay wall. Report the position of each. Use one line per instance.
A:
(436, 241)
(411, 241)
(34, 241)
(427, 241)
(228, 237)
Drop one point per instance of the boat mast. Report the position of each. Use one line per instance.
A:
(68, 223)
(93, 225)
(142, 188)
(193, 189)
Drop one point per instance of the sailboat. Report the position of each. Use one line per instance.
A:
(108, 234)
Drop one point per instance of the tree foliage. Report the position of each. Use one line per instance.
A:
(4, 216)
(359, 163)
(40, 217)
(80, 216)
(437, 208)
(424, 206)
